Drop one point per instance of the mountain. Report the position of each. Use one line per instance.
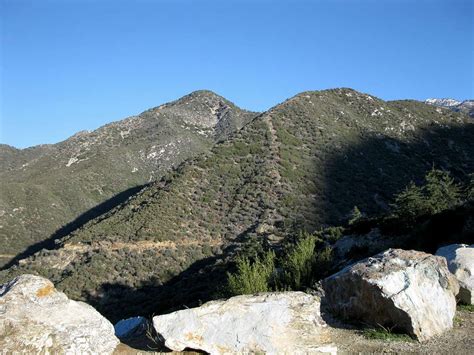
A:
(466, 106)
(443, 102)
(48, 190)
(301, 165)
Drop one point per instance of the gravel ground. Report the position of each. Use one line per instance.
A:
(459, 340)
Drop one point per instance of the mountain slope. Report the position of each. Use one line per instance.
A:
(47, 186)
(303, 164)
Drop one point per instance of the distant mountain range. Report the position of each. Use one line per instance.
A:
(466, 106)
(302, 165)
(49, 190)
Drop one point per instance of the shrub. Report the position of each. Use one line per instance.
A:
(252, 277)
(298, 263)
(304, 263)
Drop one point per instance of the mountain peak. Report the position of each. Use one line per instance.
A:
(200, 96)
(206, 109)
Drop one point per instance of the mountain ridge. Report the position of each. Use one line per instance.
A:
(47, 186)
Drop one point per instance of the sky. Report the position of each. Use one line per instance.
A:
(72, 65)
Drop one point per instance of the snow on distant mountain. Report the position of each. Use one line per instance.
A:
(466, 106)
(443, 102)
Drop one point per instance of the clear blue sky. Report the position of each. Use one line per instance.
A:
(71, 65)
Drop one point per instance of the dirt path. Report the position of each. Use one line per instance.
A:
(138, 245)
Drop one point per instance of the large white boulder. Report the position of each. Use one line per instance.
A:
(272, 323)
(36, 318)
(409, 290)
(460, 258)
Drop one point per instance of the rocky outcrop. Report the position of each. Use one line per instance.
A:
(287, 322)
(408, 290)
(460, 258)
(36, 318)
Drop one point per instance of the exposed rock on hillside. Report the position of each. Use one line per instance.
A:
(271, 323)
(460, 258)
(408, 290)
(35, 318)
(46, 187)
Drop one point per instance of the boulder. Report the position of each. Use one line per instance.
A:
(36, 318)
(406, 290)
(460, 258)
(273, 323)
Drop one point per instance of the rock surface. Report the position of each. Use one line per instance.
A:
(460, 258)
(407, 290)
(36, 318)
(287, 322)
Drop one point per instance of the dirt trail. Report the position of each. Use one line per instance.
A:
(137, 246)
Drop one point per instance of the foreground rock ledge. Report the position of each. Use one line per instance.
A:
(36, 318)
(272, 323)
(460, 258)
(405, 289)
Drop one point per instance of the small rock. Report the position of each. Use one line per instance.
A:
(460, 258)
(127, 327)
(273, 323)
(404, 289)
(36, 318)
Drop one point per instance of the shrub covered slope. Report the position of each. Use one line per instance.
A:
(46, 187)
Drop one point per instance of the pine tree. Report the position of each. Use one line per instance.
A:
(411, 202)
(355, 215)
(441, 190)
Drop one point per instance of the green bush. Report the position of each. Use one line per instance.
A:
(298, 264)
(252, 277)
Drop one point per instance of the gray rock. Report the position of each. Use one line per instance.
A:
(36, 318)
(460, 258)
(273, 323)
(409, 290)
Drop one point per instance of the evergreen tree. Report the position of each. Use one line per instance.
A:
(411, 202)
(441, 190)
(355, 215)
